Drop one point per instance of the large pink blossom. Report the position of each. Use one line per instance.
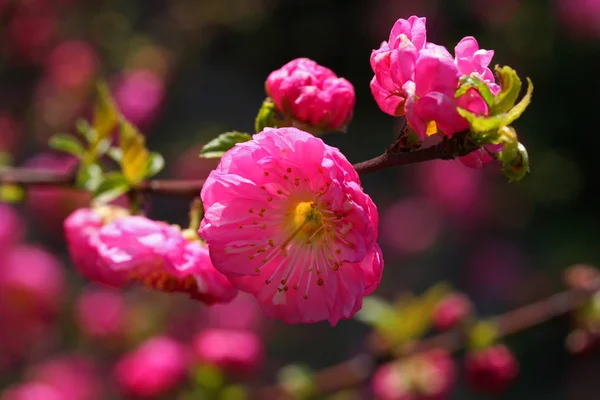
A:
(311, 93)
(153, 369)
(158, 255)
(287, 220)
(101, 314)
(235, 351)
(81, 232)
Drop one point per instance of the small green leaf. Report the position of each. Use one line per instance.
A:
(480, 124)
(115, 154)
(112, 186)
(510, 87)
(67, 143)
(483, 334)
(375, 311)
(156, 163)
(106, 115)
(266, 116)
(136, 156)
(11, 193)
(225, 141)
(521, 106)
(89, 176)
(473, 82)
(84, 129)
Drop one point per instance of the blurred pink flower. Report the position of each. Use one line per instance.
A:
(390, 383)
(31, 281)
(30, 35)
(12, 228)
(81, 232)
(73, 377)
(410, 226)
(101, 314)
(287, 221)
(237, 352)
(240, 314)
(32, 391)
(139, 95)
(311, 93)
(491, 370)
(580, 17)
(449, 186)
(153, 369)
(160, 257)
(50, 206)
(451, 311)
(10, 133)
(425, 376)
(72, 64)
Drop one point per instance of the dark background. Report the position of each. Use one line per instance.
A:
(503, 244)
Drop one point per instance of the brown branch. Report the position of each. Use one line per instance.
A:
(39, 178)
(359, 369)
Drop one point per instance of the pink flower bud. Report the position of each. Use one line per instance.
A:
(153, 369)
(73, 377)
(101, 314)
(32, 391)
(31, 281)
(312, 94)
(491, 370)
(451, 311)
(238, 352)
(81, 232)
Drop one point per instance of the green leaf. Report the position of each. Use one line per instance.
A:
(225, 141)
(374, 311)
(112, 186)
(84, 129)
(483, 334)
(473, 82)
(12, 194)
(481, 124)
(67, 143)
(156, 163)
(115, 154)
(510, 87)
(106, 114)
(520, 108)
(136, 156)
(89, 176)
(266, 116)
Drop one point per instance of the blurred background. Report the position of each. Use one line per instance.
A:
(184, 71)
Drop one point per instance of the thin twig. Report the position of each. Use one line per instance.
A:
(359, 369)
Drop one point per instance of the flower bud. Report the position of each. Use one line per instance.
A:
(452, 310)
(311, 96)
(491, 370)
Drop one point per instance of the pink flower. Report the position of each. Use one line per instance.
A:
(32, 391)
(101, 314)
(11, 229)
(394, 63)
(81, 232)
(311, 93)
(287, 221)
(238, 352)
(242, 313)
(72, 64)
(153, 369)
(451, 311)
(158, 255)
(390, 383)
(74, 377)
(139, 95)
(31, 281)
